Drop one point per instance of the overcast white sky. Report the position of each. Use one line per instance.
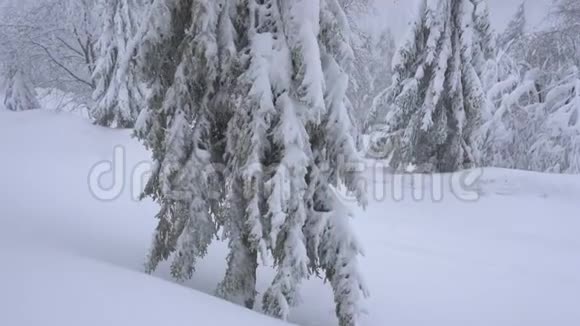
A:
(397, 13)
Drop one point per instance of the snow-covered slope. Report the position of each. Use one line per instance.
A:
(46, 287)
(511, 257)
(68, 259)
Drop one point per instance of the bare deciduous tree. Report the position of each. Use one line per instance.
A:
(55, 40)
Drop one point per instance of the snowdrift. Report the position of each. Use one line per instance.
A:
(510, 256)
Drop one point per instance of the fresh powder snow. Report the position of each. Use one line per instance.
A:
(506, 255)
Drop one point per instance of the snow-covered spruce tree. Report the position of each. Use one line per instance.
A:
(437, 94)
(19, 94)
(118, 93)
(251, 95)
(308, 225)
(371, 75)
(513, 45)
(368, 74)
(359, 89)
(514, 32)
(286, 142)
(178, 58)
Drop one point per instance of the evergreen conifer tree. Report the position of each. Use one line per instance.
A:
(437, 95)
(516, 27)
(250, 134)
(118, 93)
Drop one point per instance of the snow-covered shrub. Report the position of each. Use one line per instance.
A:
(534, 122)
(54, 99)
(531, 121)
(557, 147)
(515, 117)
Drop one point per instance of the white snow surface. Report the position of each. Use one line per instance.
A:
(509, 258)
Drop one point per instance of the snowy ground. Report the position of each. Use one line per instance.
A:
(511, 257)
